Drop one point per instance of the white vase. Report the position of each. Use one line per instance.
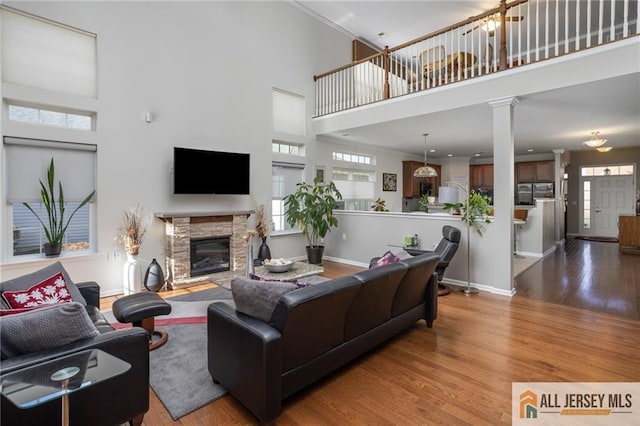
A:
(132, 275)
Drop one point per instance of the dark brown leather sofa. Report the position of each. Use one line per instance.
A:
(315, 330)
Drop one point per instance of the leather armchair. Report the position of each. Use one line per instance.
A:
(116, 401)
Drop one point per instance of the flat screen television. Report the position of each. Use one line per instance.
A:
(198, 171)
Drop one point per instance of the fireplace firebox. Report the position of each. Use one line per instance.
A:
(209, 255)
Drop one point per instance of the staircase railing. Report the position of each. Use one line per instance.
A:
(513, 34)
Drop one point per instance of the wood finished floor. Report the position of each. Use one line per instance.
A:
(461, 370)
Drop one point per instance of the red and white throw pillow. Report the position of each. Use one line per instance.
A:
(51, 291)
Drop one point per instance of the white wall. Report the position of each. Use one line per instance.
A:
(363, 235)
(205, 70)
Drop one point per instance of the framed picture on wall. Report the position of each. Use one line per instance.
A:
(389, 182)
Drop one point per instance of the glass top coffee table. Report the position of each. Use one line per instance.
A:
(298, 270)
(40, 383)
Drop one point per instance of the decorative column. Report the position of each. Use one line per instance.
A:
(503, 190)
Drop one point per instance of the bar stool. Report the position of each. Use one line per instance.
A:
(519, 218)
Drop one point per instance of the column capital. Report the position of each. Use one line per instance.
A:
(558, 151)
(506, 101)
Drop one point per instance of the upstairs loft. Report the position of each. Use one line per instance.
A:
(565, 36)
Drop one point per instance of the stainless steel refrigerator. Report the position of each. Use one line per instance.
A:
(524, 194)
(543, 190)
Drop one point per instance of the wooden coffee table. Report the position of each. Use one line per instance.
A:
(298, 270)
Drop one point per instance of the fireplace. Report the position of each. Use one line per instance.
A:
(209, 255)
(219, 253)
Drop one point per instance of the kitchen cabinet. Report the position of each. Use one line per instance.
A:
(481, 176)
(535, 171)
(629, 234)
(411, 185)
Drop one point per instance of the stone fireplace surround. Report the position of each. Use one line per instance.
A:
(181, 227)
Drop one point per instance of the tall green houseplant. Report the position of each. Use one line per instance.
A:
(310, 209)
(55, 226)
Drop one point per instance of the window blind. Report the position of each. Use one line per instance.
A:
(27, 161)
(285, 178)
(40, 53)
(288, 113)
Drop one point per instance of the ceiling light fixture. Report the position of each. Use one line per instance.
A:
(595, 140)
(604, 148)
(425, 171)
(491, 24)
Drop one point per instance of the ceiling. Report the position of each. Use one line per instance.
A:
(610, 106)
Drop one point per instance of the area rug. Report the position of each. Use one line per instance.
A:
(178, 371)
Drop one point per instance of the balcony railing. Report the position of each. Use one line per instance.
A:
(512, 35)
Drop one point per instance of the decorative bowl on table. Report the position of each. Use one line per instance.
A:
(277, 265)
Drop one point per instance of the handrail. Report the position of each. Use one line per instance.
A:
(470, 49)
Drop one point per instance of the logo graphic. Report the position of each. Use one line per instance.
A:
(528, 405)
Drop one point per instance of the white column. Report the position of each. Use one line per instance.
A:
(503, 189)
(559, 194)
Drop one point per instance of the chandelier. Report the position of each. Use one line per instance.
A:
(425, 171)
(595, 140)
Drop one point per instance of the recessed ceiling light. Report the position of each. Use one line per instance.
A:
(449, 155)
(382, 34)
(345, 134)
(432, 150)
(477, 154)
(530, 150)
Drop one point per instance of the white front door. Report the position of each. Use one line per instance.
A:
(612, 196)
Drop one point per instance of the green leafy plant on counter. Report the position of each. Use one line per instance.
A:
(379, 206)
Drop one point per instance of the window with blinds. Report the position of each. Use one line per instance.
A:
(75, 167)
(356, 186)
(288, 113)
(285, 177)
(44, 54)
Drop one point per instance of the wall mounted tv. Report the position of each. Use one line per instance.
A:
(198, 171)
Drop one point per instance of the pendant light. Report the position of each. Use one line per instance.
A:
(425, 171)
(595, 140)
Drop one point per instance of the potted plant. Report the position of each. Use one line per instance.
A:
(310, 208)
(56, 225)
(424, 202)
(477, 206)
(476, 211)
(454, 208)
(379, 206)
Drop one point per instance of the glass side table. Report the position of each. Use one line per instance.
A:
(60, 377)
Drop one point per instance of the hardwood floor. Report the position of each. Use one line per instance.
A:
(461, 370)
(587, 275)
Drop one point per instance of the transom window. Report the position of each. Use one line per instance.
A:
(50, 117)
(288, 148)
(354, 158)
(623, 169)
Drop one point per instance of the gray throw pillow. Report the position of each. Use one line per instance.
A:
(27, 281)
(258, 298)
(44, 328)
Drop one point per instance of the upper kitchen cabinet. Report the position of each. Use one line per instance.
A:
(411, 186)
(481, 176)
(535, 171)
